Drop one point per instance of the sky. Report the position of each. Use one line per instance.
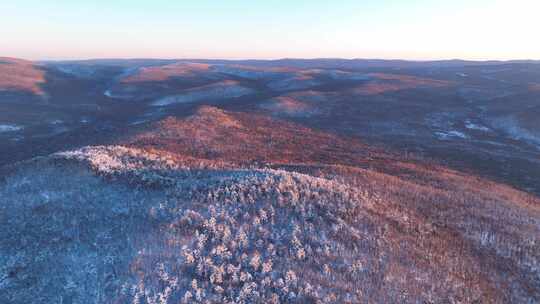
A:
(269, 29)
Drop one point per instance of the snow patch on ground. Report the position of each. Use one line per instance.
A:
(125, 92)
(60, 130)
(139, 122)
(441, 120)
(447, 135)
(512, 127)
(473, 126)
(10, 128)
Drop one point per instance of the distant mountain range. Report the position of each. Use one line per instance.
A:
(335, 63)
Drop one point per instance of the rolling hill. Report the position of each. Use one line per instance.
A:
(289, 181)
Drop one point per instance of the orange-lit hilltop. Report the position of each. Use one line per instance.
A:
(21, 76)
(148, 181)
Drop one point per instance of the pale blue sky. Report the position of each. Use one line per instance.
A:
(413, 29)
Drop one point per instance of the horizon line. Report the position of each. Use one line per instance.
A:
(277, 59)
